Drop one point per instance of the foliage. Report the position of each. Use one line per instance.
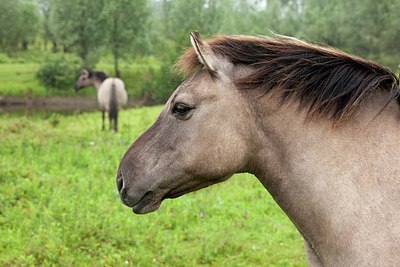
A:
(164, 81)
(182, 17)
(19, 20)
(124, 22)
(162, 85)
(367, 28)
(60, 206)
(85, 26)
(78, 27)
(44, 7)
(59, 72)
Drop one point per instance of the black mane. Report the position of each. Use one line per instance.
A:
(99, 75)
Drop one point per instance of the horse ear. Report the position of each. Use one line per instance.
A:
(203, 50)
(207, 57)
(85, 72)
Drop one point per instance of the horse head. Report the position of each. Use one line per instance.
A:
(200, 138)
(84, 80)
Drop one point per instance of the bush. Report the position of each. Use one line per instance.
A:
(163, 81)
(149, 79)
(59, 72)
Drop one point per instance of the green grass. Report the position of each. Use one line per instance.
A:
(18, 79)
(18, 73)
(59, 204)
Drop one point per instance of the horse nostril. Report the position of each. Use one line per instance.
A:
(120, 182)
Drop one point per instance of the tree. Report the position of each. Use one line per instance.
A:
(78, 27)
(125, 22)
(18, 20)
(366, 28)
(185, 16)
(47, 35)
(29, 24)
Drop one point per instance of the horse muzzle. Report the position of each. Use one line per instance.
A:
(123, 192)
(76, 88)
(140, 202)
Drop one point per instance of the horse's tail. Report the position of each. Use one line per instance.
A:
(113, 113)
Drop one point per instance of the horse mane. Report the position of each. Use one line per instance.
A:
(326, 81)
(99, 75)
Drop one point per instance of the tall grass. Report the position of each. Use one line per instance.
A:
(59, 204)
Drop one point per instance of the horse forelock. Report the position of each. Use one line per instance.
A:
(326, 81)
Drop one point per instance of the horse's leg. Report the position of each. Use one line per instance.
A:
(103, 116)
(110, 119)
(116, 122)
(312, 256)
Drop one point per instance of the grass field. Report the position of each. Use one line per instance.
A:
(60, 207)
(18, 79)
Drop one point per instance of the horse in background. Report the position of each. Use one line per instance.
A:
(111, 93)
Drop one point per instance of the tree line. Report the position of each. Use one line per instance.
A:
(87, 28)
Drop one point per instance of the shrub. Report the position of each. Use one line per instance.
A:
(150, 80)
(163, 81)
(59, 72)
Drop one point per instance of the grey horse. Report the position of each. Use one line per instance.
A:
(318, 127)
(111, 93)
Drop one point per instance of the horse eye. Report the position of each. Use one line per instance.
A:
(181, 109)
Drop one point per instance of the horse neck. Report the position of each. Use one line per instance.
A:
(96, 83)
(320, 175)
